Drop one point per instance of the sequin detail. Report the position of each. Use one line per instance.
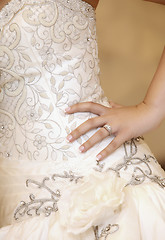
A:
(46, 205)
(13, 6)
(138, 168)
(109, 229)
(36, 73)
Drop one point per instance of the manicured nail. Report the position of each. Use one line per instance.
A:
(98, 157)
(69, 137)
(67, 109)
(81, 148)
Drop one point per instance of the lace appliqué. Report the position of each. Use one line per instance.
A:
(38, 206)
(13, 6)
(31, 105)
(109, 229)
(139, 166)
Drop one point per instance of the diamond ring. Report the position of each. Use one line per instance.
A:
(108, 128)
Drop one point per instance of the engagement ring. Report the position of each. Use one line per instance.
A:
(108, 128)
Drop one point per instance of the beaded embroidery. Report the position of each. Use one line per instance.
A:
(49, 205)
(43, 205)
(36, 91)
(140, 167)
(141, 170)
(109, 229)
(46, 206)
(13, 6)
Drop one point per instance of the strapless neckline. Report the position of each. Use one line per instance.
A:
(9, 2)
(13, 6)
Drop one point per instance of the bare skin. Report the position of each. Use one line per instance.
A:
(126, 122)
(3, 3)
(94, 3)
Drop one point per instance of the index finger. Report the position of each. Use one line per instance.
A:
(92, 107)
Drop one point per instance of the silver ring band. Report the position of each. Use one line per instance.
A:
(108, 128)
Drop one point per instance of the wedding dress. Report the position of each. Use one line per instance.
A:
(48, 189)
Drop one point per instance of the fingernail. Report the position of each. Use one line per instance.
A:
(69, 137)
(98, 157)
(67, 109)
(81, 148)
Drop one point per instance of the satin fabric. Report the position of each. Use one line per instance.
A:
(49, 60)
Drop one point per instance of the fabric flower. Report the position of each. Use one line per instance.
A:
(93, 200)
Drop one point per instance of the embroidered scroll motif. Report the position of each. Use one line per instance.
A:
(139, 166)
(45, 205)
(109, 229)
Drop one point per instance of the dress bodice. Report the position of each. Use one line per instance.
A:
(48, 60)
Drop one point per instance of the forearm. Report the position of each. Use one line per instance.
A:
(155, 95)
(157, 1)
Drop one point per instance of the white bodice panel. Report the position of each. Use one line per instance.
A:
(49, 60)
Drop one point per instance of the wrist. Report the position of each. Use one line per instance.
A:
(153, 112)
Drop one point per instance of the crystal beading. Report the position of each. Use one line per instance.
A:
(13, 6)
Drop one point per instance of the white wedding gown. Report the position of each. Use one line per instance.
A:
(48, 189)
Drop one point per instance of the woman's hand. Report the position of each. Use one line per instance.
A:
(126, 123)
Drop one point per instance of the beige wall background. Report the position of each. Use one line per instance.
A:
(131, 37)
